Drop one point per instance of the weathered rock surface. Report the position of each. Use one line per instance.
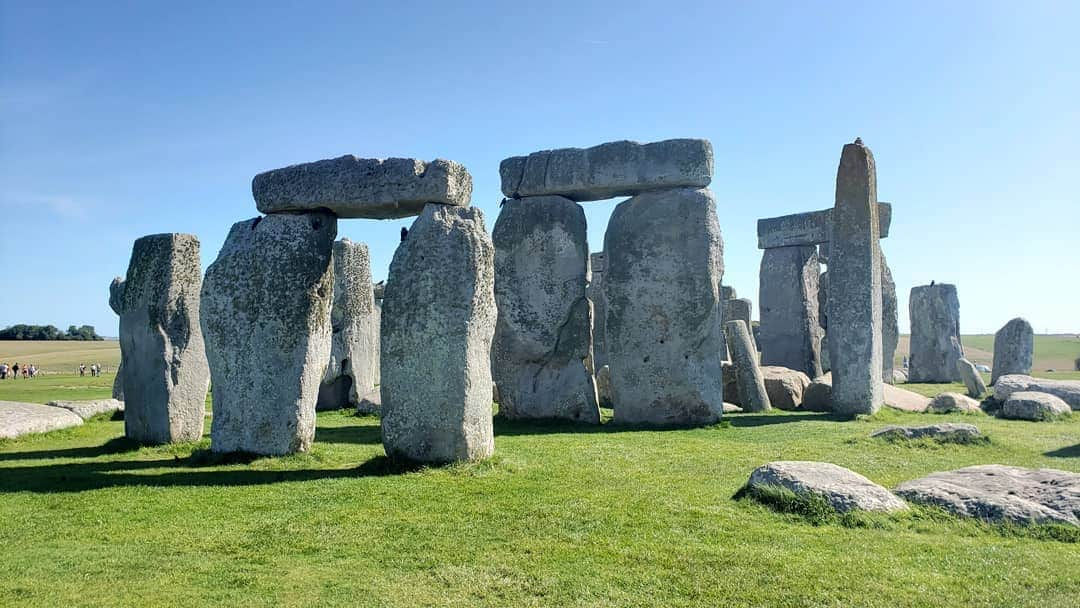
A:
(664, 343)
(735, 309)
(603, 387)
(890, 324)
(118, 383)
(116, 292)
(818, 396)
(266, 317)
(790, 330)
(810, 228)
(1066, 390)
(353, 368)
(438, 323)
(999, 493)
(91, 408)
(542, 337)
(731, 408)
(784, 386)
(165, 373)
(595, 293)
(899, 376)
(1014, 347)
(946, 431)
(620, 168)
(354, 187)
(971, 378)
(753, 396)
(953, 402)
(903, 399)
(1030, 405)
(369, 402)
(843, 488)
(17, 419)
(935, 334)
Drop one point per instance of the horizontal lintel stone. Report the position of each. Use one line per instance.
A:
(810, 228)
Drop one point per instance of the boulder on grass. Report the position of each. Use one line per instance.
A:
(818, 396)
(88, 409)
(1030, 405)
(955, 432)
(970, 375)
(953, 402)
(844, 489)
(784, 386)
(1066, 390)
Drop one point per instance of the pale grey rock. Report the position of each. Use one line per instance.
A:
(753, 396)
(17, 419)
(999, 493)
(1031, 405)
(945, 432)
(731, 408)
(620, 168)
(784, 386)
(118, 383)
(855, 349)
(818, 396)
(89, 409)
(790, 330)
(899, 376)
(843, 488)
(370, 402)
(438, 323)
(890, 324)
(604, 393)
(903, 399)
(727, 292)
(353, 368)
(935, 334)
(595, 293)
(810, 228)
(1014, 347)
(542, 337)
(352, 187)
(664, 342)
(1066, 390)
(266, 317)
(730, 382)
(945, 403)
(735, 309)
(972, 380)
(165, 375)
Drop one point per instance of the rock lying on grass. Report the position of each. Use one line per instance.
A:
(903, 399)
(818, 396)
(1030, 405)
(1066, 390)
(953, 402)
(999, 493)
(843, 489)
(17, 419)
(88, 409)
(950, 432)
(784, 386)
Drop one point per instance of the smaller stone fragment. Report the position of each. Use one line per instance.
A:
(957, 432)
(1066, 390)
(953, 402)
(784, 386)
(1029, 405)
(972, 380)
(89, 409)
(752, 394)
(844, 489)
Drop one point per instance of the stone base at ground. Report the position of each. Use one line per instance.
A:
(1066, 390)
(370, 402)
(784, 386)
(843, 488)
(89, 409)
(946, 432)
(18, 419)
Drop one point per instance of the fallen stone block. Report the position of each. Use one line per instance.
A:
(844, 489)
(17, 419)
(89, 409)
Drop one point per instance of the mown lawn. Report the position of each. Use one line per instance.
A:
(563, 515)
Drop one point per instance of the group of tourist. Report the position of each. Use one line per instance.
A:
(28, 371)
(95, 369)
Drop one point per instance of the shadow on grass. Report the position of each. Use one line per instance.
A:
(364, 435)
(550, 426)
(117, 445)
(752, 420)
(1072, 451)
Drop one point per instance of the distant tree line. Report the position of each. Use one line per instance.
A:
(48, 332)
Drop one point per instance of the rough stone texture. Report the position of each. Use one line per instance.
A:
(621, 168)
(1030, 405)
(999, 493)
(890, 324)
(972, 380)
(823, 317)
(595, 293)
(165, 372)
(855, 349)
(753, 396)
(17, 419)
(266, 303)
(953, 402)
(899, 376)
(664, 342)
(118, 383)
(354, 187)
(946, 431)
(369, 402)
(935, 334)
(790, 330)
(1066, 390)
(727, 292)
(736, 309)
(845, 489)
(903, 399)
(730, 382)
(603, 387)
(784, 386)
(542, 337)
(810, 228)
(818, 396)
(89, 409)
(1014, 347)
(438, 324)
(731, 408)
(353, 368)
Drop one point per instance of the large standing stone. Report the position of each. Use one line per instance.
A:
(664, 264)
(266, 303)
(438, 323)
(595, 293)
(855, 286)
(542, 337)
(363, 187)
(972, 380)
(935, 334)
(890, 324)
(621, 168)
(353, 369)
(1014, 346)
(790, 330)
(161, 343)
(748, 378)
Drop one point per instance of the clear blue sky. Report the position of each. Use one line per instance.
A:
(124, 119)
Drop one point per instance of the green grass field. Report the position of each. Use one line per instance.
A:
(61, 356)
(1056, 352)
(563, 515)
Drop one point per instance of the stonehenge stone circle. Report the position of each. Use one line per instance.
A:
(621, 168)
(855, 349)
(438, 323)
(972, 380)
(352, 187)
(811, 228)
(790, 331)
(1014, 347)
(266, 303)
(542, 337)
(165, 376)
(595, 293)
(935, 334)
(663, 343)
(748, 378)
(353, 369)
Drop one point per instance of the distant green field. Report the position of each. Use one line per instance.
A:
(61, 356)
(1056, 352)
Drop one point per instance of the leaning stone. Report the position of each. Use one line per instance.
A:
(165, 372)
(17, 419)
(811, 228)
(844, 489)
(998, 493)
(542, 337)
(352, 187)
(753, 396)
(972, 379)
(266, 305)
(903, 399)
(621, 168)
(438, 323)
(784, 386)
(88, 409)
(957, 432)
(790, 330)
(664, 343)
(935, 333)
(1030, 405)
(353, 368)
(1014, 346)
(945, 403)
(1066, 390)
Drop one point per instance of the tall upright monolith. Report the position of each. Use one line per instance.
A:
(790, 329)
(934, 311)
(1014, 348)
(748, 378)
(353, 369)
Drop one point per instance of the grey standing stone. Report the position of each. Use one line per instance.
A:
(438, 323)
(890, 324)
(935, 334)
(595, 293)
(266, 302)
(790, 330)
(664, 343)
(165, 373)
(972, 380)
(810, 228)
(542, 337)
(354, 187)
(844, 489)
(1014, 347)
(621, 168)
(750, 382)
(823, 319)
(353, 369)
(855, 286)
(118, 383)
(738, 309)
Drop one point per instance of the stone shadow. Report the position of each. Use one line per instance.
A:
(1072, 451)
(752, 420)
(116, 445)
(363, 435)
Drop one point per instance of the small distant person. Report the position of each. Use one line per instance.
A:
(33, 370)
(15, 370)
(26, 372)
(82, 369)
(3, 371)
